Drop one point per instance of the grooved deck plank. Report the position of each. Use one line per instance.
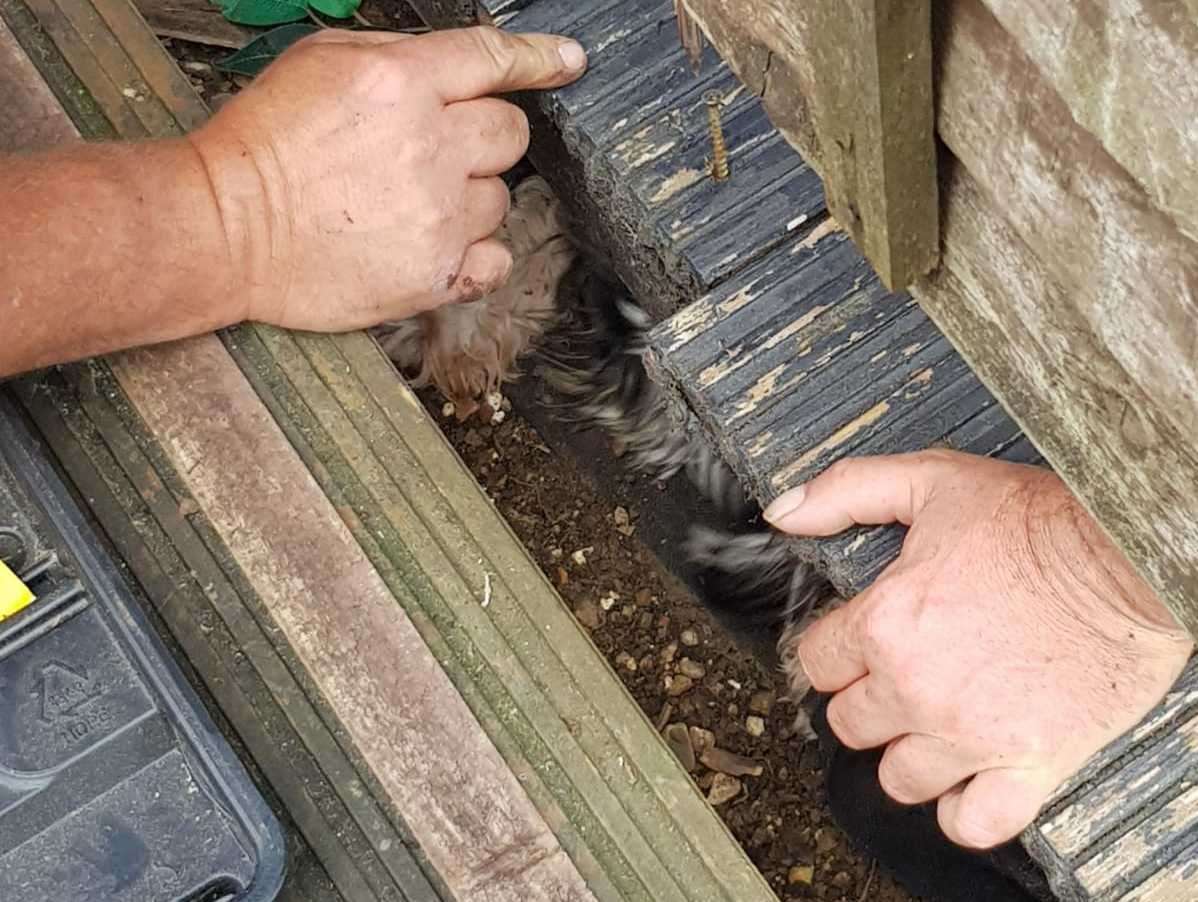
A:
(471, 817)
(634, 138)
(623, 807)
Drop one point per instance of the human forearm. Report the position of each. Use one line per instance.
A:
(106, 247)
(355, 182)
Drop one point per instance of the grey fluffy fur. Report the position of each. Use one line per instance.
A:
(598, 369)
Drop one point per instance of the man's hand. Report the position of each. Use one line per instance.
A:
(357, 177)
(1008, 643)
(354, 182)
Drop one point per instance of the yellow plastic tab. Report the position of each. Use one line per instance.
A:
(14, 594)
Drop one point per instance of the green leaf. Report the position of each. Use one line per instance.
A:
(264, 12)
(262, 50)
(337, 9)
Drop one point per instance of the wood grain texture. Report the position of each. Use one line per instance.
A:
(193, 20)
(1007, 312)
(627, 146)
(1127, 71)
(1132, 272)
(32, 118)
(472, 818)
(804, 358)
(850, 84)
(1126, 826)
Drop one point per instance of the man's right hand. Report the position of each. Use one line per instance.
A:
(358, 176)
(1009, 642)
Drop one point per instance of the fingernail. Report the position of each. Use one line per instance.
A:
(572, 54)
(785, 505)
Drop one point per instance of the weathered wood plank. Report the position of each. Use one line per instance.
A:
(1117, 865)
(1134, 275)
(628, 146)
(32, 117)
(471, 815)
(193, 20)
(1127, 70)
(1106, 804)
(804, 358)
(850, 83)
(624, 800)
(1102, 431)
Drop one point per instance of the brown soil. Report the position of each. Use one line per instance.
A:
(680, 666)
(653, 632)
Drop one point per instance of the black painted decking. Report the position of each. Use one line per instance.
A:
(792, 355)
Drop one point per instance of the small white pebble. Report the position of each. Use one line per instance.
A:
(608, 601)
(498, 417)
(754, 725)
(734, 684)
(494, 400)
(448, 409)
(689, 638)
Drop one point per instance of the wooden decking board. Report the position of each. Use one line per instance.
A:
(33, 115)
(521, 655)
(634, 133)
(690, 215)
(801, 345)
(1096, 824)
(1135, 782)
(393, 705)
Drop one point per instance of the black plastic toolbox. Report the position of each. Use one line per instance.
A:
(114, 782)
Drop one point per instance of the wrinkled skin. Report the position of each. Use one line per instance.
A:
(1008, 643)
(354, 182)
(359, 174)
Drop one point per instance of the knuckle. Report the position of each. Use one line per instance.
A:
(811, 659)
(978, 827)
(841, 471)
(844, 725)
(518, 125)
(494, 45)
(882, 627)
(895, 777)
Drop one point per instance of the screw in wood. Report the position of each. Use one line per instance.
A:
(719, 162)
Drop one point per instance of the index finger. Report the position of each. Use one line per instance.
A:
(481, 61)
(829, 650)
(858, 491)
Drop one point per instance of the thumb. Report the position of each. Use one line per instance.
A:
(860, 491)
